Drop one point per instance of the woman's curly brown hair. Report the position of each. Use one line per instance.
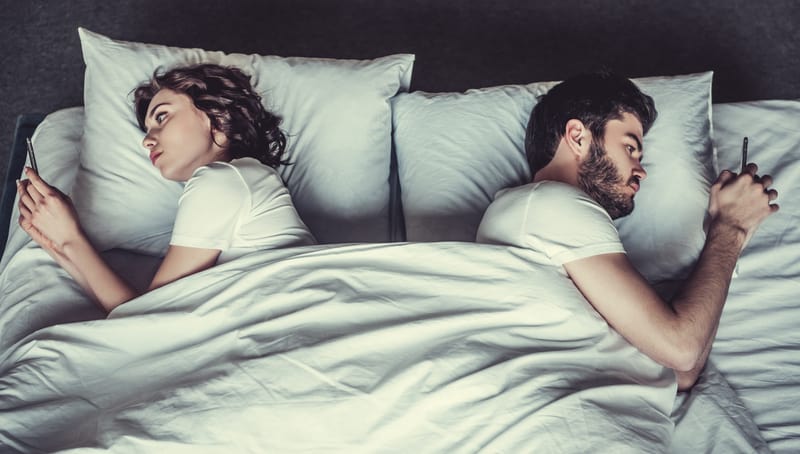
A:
(225, 94)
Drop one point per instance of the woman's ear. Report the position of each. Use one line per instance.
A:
(219, 138)
(578, 138)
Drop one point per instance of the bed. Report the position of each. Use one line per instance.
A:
(397, 333)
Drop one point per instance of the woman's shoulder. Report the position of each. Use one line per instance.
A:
(216, 173)
(241, 169)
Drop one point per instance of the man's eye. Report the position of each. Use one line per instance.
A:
(631, 149)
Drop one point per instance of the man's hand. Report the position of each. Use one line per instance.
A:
(680, 335)
(742, 201)
(46, 214)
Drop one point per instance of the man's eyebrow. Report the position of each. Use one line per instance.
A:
(635, 138)
(153, 109)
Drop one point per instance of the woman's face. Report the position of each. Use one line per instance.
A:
(179, 136)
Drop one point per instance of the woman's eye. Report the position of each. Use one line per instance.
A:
(160, 117)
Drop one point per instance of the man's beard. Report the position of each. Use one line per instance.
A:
(600, 178)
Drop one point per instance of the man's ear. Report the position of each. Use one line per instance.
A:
(578, 138)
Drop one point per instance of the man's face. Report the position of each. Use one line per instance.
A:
(611, 174)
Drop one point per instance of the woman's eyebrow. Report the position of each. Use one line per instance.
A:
(153, 109)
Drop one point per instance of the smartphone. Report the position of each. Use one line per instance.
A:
(32, 156)
(744, 154)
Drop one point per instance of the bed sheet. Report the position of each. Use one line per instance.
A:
(358, 348)
(758, 343)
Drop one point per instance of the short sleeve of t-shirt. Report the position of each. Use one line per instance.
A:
(210, 208)
(553, 218)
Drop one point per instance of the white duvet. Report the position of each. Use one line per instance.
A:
(437, 347)
(432, 348)
(449, 347)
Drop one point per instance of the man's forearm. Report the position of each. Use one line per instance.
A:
(699, 303)
(687, 379)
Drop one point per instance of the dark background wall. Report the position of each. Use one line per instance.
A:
(460, 44)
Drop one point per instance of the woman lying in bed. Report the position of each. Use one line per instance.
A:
(204, 125)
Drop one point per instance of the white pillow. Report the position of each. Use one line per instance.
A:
(456, 150)
(336, 115)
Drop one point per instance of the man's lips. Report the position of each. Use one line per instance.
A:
(154, 156)
(634, 184)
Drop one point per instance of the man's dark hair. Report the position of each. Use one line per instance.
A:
(592, 98)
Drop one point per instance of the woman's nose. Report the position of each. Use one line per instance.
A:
(148, 141)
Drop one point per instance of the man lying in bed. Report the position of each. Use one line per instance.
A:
(584, 147)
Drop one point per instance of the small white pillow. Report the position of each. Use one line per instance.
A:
(336, 115)
(456, 150)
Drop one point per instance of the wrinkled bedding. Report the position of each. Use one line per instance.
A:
(388, 347)
(438, 347)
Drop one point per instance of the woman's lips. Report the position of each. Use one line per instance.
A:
(154, 155)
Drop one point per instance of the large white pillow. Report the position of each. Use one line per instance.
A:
(456, 150)
(336, 114)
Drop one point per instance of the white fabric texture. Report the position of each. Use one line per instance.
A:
(237, 207)
(360, 326)
(336, 116)
(57, 141)
(363, 348)
(550, 217)
(758, 344)
(456, 150)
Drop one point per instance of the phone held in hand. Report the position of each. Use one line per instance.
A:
(744, 154)
(32, 156)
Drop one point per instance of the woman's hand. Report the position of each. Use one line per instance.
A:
(46, 214)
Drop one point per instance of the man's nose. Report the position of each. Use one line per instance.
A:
(640, 172)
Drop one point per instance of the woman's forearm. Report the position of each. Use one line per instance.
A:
(94, 275)
(73, 271)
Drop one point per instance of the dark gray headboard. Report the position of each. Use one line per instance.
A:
(459, 44)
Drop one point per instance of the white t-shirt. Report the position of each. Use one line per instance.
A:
(553, 218)
(237, 207)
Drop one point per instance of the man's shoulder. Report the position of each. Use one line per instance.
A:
(545, 191)
(557, 202)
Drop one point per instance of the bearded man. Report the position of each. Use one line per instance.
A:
(584, 147)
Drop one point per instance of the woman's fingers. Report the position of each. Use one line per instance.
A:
(34, 193)
(25, 199)
(36, 181)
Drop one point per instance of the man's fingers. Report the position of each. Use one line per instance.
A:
(724, 177)
(772, 194)
(751, 168)
(766, 180)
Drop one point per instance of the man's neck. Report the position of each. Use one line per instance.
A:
(552, 172)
